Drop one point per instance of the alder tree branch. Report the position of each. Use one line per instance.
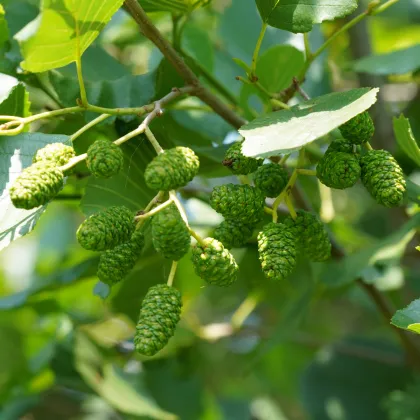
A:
(152, 33)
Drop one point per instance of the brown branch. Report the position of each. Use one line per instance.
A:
(152, 33)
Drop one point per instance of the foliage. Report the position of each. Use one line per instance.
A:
(238, 105)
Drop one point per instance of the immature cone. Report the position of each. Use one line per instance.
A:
(232, 234)
(359, 129)
(277, 251)
(115, 264)
(172, 169)
(104, 159)
(106, 229)
(214, 263)
(36, 185)
(383, 177)
(340, 145)
(311, 235)
(238, 163)
(159, 315)
(338, 170)
(170, 235)
(56, 153)
(271, 179)
(239, 203)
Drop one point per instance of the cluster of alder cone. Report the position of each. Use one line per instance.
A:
(118, 232)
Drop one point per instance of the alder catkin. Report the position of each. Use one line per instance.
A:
(104, 159)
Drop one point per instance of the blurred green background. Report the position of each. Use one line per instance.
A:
(314, 348)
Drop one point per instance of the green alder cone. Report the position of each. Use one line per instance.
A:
(170, 234)
(311, 236)
(104, 159)
(232, 234)
(239, 203)
(341, 145)
(159, 316)
(277, 251)
(115, 264)
(271, 179)
(359, 129)
(56, 153)
(214, 263)
(383, 177)
(172, 169)
(238, 163)
(36, 185)
(338, 170)
(106, 229)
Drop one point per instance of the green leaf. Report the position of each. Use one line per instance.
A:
(288, 130)
(287, 58)
(388, 250)
(174, 6)
(4, 29)
(16, 154)
(300, 15)
(413, 191)
(196, 43)
(405, 138)
(350, 379)
(14, 99)
(75, 26)
(408, 318)
(111, 385)
(127, 188)
(396, 62)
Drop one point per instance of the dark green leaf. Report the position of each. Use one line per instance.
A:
(288, 130)
(385, 251)
(405, 138)
(395, 62)
(409, 317)
(300, 15)
(349, 380)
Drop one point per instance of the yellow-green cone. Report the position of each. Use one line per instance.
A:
(239, 203)
(359, 129)
(312, 237)
(159, 316)
(106, 229)
(233, 235)
(383, 177)
(104, 159)
(172, 169)
(238, 163)
(115, 264)
(56, 153)
(170, 234)
(36, 185)
(277, 251)
(214, 263)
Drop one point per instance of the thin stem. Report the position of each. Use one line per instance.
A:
(283, 160)
(245, 309)
(89, 126)
(383, 7)
(244, 179)
(290, 206)
(196, 236)
(308, 53)
(121, 111)
(310, 172)
(83, 96)
(52, 114)
(151, 204)
(368, 146)
(179, 206)
(155, 210)
(279, 103)
(158, 148)
(267, 210)
(172, 273)
(253, 75)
